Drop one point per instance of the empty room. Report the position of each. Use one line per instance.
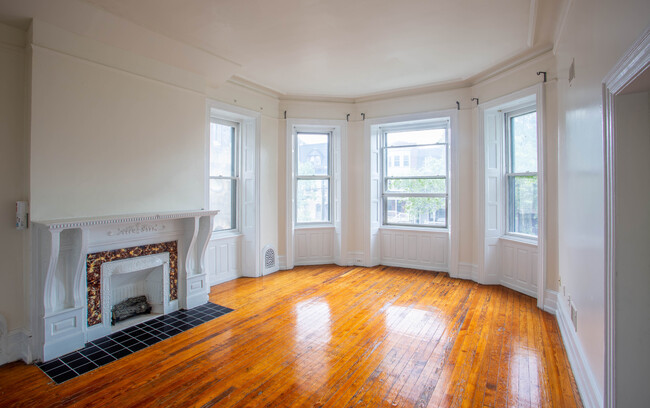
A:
(324, 203)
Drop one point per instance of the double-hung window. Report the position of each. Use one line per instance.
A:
(521, 172)
(313, 177)
(415, 189)
(224, 172)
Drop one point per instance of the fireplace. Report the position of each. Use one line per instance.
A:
(146, 275)
(81, 268)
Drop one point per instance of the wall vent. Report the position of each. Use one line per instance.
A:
(269, 260)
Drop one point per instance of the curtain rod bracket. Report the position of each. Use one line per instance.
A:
(457, 105)
(363, 115)
(475, 99)
(285, 114)
(347, 117)
(542, 72)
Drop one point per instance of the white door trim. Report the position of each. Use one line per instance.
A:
(628, 68)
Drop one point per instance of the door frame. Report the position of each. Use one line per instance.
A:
(628, 69)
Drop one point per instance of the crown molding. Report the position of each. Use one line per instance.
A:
(254, 86)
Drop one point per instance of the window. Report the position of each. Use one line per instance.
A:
(313, 177)
(415, 194)
(224, 173)
(521, 171)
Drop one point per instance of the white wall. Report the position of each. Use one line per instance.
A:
(269, 182)
(13, 173)
(632, 255)
(596, 34)
(119, 143)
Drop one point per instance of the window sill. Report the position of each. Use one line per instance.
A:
(313, 226)
(418, 229)
(225, 234)
(520, 240)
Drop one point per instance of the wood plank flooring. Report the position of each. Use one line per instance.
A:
(330, 336)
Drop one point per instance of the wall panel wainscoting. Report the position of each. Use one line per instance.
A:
(411, 248)
(222, 258)
(335, 336)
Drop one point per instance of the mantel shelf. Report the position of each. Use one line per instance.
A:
(122, 219)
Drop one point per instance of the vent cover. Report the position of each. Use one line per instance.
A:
(269, 260)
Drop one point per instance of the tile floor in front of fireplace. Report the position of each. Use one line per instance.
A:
(122, 343)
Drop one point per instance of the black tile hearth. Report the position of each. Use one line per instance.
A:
(120, 344)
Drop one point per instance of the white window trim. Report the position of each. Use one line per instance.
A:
(338, 188)
(248, 222)
(533, 95)
(372, 194)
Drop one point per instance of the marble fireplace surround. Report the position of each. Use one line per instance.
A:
(62, 283)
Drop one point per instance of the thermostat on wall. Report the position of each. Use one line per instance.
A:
(22, 214)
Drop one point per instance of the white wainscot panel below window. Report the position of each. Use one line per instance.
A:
(314, 246)
(222, 259)
(415, 249)
(519, 266)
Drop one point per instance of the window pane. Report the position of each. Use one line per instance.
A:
(313, 154)
(430, 186)
(223, 193)
(312, 201)
(222, 150)
(522, 217)
(416, 210)
(416, 137)
(423, 161)
(523, 143)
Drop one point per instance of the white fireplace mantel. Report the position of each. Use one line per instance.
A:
(59, 276)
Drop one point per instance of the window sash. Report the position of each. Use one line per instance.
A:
(510, 175)
(315, 177)
(387, 162)
(233, 177)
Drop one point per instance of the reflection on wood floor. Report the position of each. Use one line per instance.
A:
(335, 336)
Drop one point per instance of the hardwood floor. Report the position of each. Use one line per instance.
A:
(335, 336)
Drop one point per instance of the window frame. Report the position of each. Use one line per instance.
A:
(328, 176)
(508, 174)
(236, 178)
(438, 123)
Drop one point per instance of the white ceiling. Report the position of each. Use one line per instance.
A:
(351, 48)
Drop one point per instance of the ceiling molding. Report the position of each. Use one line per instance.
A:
(508, 65)
(245, 83)
(559, 28)
(532, 22)
(13, 37)
(494, 73)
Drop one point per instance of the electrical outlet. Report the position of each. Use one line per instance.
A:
(574, 315)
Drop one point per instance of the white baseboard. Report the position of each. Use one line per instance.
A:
(224, 278)
(416, 266)
(323, 261)
(282, 261)
(518, 288)
(467, 271)
(585, 380)
(16, 346)
(550, 301)
(356, 258)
